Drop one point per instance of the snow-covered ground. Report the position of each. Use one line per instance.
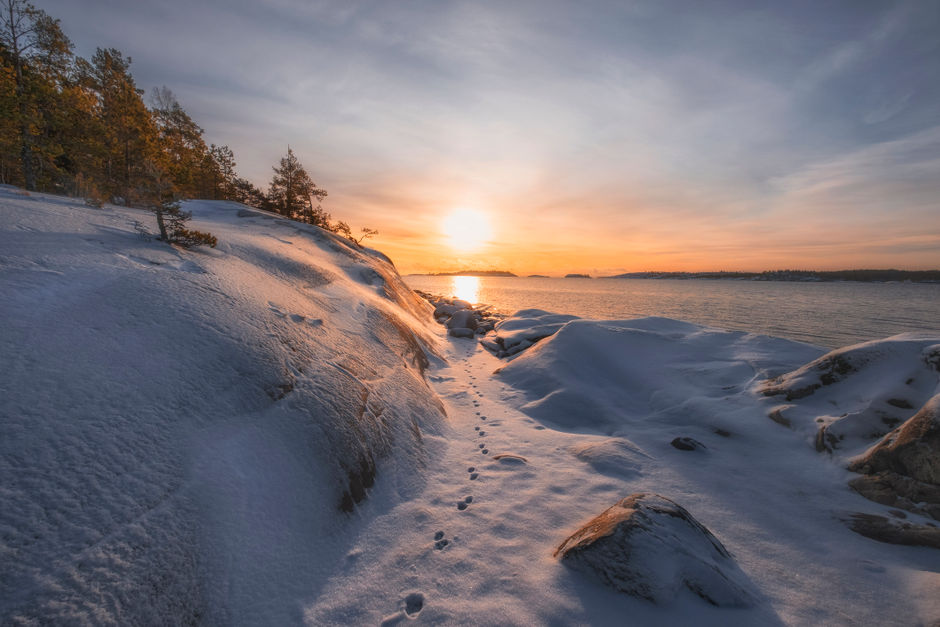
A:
(182, 430)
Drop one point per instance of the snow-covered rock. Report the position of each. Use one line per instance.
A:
(650, 547)
(463, 319)
(182, 428)
(523, 329)
(852, 396)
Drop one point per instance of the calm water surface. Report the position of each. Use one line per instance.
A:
(825, 314)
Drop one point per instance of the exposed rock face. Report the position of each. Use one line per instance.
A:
(894, 531)
(913, 449)
(650, 547)
(890, 488)
(903, 469)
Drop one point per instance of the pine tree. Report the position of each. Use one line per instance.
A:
(180, 144)
(36, 50)
(222, 170)
(246, 192)
(292, 192)
(128, 133)
(157, 193)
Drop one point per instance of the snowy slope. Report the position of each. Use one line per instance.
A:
(180, 430)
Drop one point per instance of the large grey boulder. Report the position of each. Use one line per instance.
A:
(650, 547)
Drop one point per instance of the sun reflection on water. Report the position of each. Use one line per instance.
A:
(466, 288)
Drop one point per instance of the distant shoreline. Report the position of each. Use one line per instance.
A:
(805, 276)
(502, 273)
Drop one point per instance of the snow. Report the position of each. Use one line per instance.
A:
(180, 427)
(181, 430)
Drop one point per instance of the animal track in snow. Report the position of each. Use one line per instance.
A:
(474, 475)
(462, 505)
(482, 433)
(414, 603)
(485, 451)
(482, 445)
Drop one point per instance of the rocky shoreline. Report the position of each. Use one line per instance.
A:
(460, 317)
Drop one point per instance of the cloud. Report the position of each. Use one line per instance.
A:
(601, 132)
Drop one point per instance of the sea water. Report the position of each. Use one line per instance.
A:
(828, 314)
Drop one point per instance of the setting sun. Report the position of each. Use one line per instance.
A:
(466, 229)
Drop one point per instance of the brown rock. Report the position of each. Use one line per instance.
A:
(890, 488)
(891, 531)
(903, 469)
(913, 449)
(650, 547)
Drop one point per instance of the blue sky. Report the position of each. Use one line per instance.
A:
(595, 136)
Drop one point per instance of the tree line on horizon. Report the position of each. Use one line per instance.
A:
(81, 127)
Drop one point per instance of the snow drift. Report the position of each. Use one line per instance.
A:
(172, 418)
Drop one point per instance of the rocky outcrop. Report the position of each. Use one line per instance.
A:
(903, 469)
(650, 547)
(460, 317)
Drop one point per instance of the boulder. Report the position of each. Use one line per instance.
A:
(445, 310)
(687, 444)
(650, 547)
(903, 469)
(913, 449)
(463, 319)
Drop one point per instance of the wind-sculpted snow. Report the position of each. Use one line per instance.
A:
(605, 374)
(179, 428)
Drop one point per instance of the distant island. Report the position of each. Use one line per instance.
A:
(474, 273)
(869, 276)
(879, 276)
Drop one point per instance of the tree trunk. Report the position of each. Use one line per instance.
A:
(26, 151)
(127, 173)
(163, 235)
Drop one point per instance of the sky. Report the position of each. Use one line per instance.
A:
(595, 137)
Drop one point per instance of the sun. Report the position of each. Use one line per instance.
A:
(466, 229)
